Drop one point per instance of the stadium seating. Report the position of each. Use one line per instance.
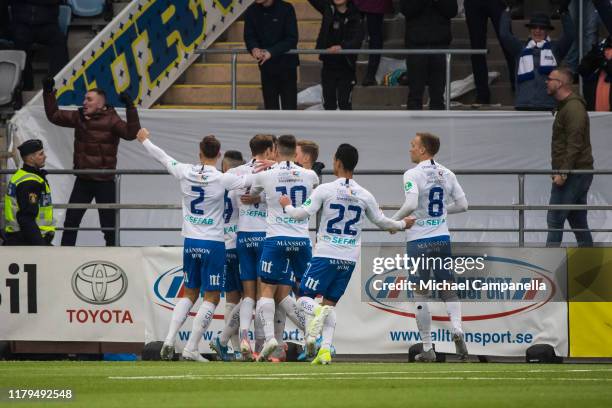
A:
(65, 15)
(12, 63)
(86, 8)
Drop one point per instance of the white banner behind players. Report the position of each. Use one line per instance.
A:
(96, 294)
(71, 294)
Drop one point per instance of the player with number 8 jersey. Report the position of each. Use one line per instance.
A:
(432, 192)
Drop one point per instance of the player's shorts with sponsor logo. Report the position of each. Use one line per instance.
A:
(232, 271)
(203, 264)
(432, 252)
(328, 277)
(284, 259)
(249, 246)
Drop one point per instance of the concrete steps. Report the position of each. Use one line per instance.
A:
(207, 82)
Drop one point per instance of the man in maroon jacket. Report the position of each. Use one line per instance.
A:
(97, 130)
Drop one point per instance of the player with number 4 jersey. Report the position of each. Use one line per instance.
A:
(345, 205)
(432, 192)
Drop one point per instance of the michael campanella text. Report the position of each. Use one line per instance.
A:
(475, 284)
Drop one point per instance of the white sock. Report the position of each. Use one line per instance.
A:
(423, 320)
(293, 312)
(246, 316)
(329, 325)
(308, 306)
(200, 324)
(232, 323)
(454, 312)
(265, 311)
(179, 315)
(280, 317)
(260, 336)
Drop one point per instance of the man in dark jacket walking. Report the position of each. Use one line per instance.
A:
(97, 131)
(341, 28)
(270, 30)
(36, 21)
(428, 25)
(570, 150)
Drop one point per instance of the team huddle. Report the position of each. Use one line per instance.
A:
(246, 234)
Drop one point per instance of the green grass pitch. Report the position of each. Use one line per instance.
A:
(228, 385)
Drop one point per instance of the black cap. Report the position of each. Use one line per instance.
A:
(30, 146)
(540, 20)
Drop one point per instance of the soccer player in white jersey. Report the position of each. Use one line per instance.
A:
(432, 192)
(232, 287)
(287, 248)
(203, 189)
(344, 205)
(252, 213)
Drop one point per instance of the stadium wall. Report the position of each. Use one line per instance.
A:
(126, 295)
(470, 140)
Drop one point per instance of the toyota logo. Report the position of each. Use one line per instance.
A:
(99, 282)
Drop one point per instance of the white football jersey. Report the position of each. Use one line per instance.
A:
(436, 186)
(344, 205)
(203, 190)
(230, 215)
(251, 217)
(289, 179)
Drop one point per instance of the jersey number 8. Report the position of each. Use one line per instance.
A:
(436, 199)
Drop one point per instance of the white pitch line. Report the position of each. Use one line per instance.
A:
(344, 378)
(421, 372)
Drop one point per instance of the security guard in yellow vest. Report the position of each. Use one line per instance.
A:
(27, 205)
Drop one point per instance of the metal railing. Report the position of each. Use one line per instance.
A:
(521, 206)
(448, 53)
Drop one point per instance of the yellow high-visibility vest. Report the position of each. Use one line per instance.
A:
(44, 218)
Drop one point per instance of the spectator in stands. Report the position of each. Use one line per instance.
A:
(270, 30)
(477, 14)
(590, 21)
(341, 28)
(36, 21)
(536, 58)
(596, 69)
(97, 132)
(28, 211)
(428, 25)
(570, 150)
(373, 12)
(306, 155)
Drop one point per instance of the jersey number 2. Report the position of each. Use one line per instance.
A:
(198, 200)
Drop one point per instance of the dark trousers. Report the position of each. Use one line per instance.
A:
(337, 86)
(84, 192)
(574, 191)
(48, 35)
(604, 8)
(280, 90)
(422, 71)
(477, 13)
(374, 23)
